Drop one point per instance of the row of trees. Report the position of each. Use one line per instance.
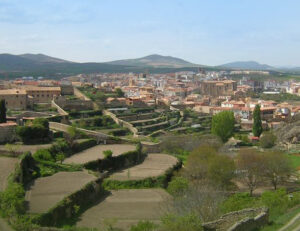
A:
(223, 124)
(252, 167)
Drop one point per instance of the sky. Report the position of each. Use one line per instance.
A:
(209, 32)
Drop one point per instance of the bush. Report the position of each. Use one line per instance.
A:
(43, 154)
(277, 201)
(144, 226)
(267, 140)
(188, 222)
(12, 200)
(120, 132)
(38, 131)
(107, 153)
(239, 201)
(178, 186)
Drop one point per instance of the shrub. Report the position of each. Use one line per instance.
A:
(277, 201)
(107, 153)
(144, 226)
(178, 186)
(238, 201)
(37, 131)
(267, 140)
(188, 222)
(43, 154)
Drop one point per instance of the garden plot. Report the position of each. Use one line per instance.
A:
(96, 153)
(46, 192)
(7, 166)
(153, 166)
(126, 207)
(26, 148)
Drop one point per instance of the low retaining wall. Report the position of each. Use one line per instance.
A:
(152, 147)
(115, 163)
(121, 122)
(242, 220)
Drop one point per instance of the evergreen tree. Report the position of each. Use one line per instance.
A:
(257, 124)
(2, 111)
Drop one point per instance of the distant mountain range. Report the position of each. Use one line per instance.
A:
(247, 65)
(155, 61)
(40, 64)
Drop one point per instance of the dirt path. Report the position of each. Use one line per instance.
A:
(45, 192)
(126, 207)
(154, 165)
(7, 166)
(96, 153)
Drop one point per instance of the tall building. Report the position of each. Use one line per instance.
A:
(218, 88)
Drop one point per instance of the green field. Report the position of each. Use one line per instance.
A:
(295, 159)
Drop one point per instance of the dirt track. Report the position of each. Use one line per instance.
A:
(154, 165)
(127, 207)
(47, 191)
(96, 153)
(7, 166)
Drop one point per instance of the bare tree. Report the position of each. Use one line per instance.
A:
(250, 166)
(277, 167)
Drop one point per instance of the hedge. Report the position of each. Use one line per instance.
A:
(78, 147)
(72, 205)
(88, 113)
(116, 162)
(150, 182)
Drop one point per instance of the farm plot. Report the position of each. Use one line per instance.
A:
(126, 207)
(153, 166)
(45, 192)
(96, 153)
(7, 166)
(26, 148)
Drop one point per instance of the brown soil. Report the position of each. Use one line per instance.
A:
(96, 153)
(125, 208)
(7, 166)
(45, 192)
(154, 165)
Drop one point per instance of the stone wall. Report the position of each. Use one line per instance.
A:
(242, 220)
(8, 132)
(122, 123)
(74, 104)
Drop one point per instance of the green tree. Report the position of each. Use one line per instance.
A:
(223, 125)
(2, 111)
(257, 124)
(178, 186)
(119, 92)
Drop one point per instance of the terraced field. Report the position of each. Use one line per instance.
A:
(7, 166)
(154, 165)
(127, 207)
(45, 192)
(96, 153)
